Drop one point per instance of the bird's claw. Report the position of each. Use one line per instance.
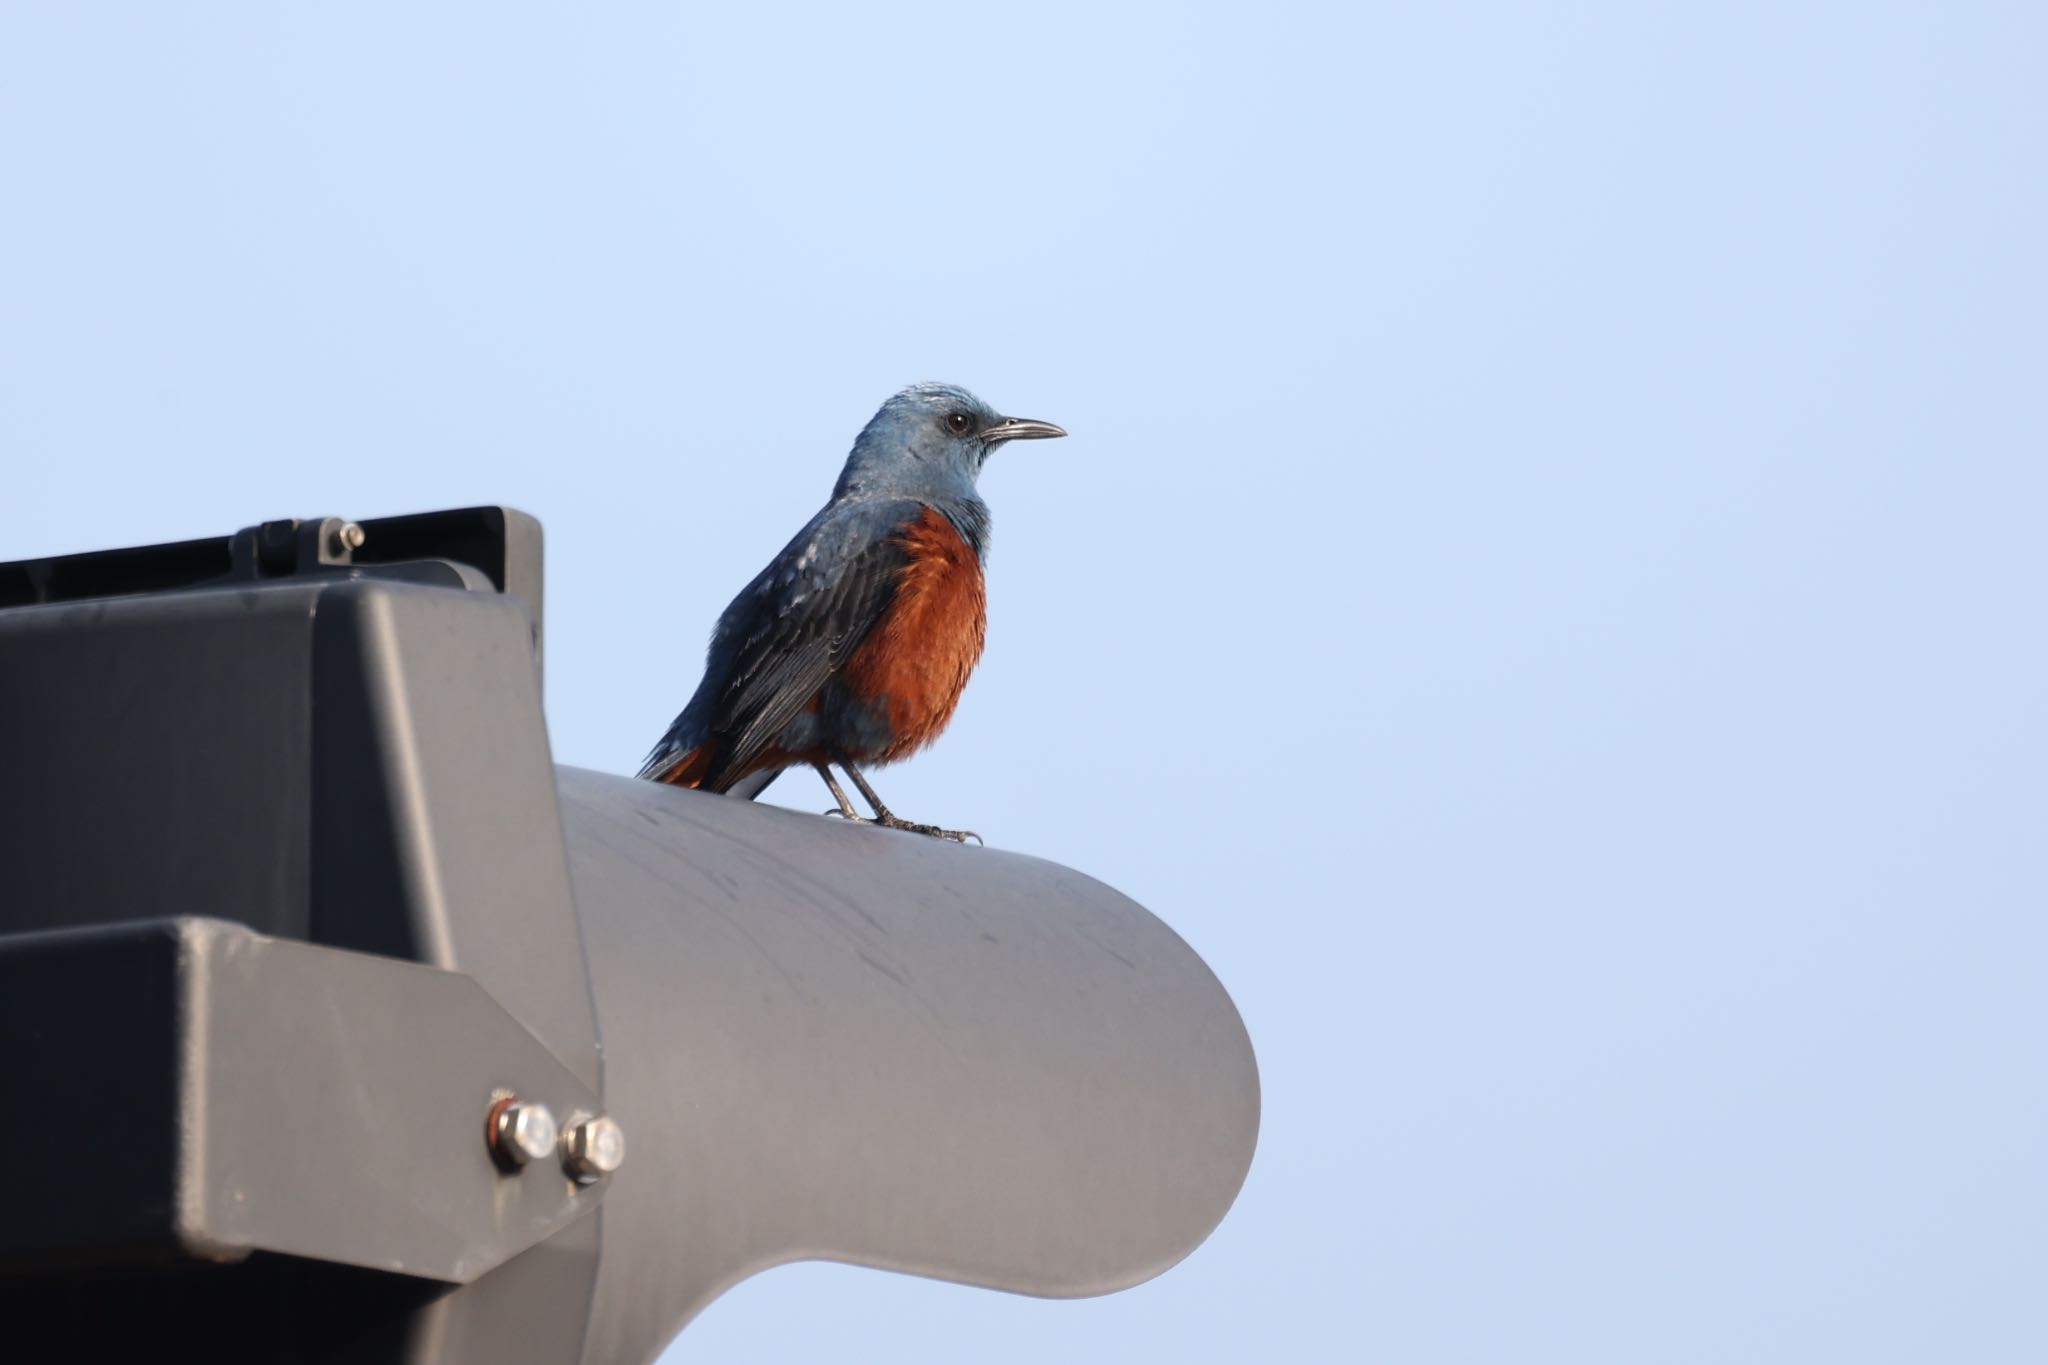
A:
(958, 836)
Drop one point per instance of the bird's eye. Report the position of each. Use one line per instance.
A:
(960, 423)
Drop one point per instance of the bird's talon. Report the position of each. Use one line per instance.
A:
(958, 836)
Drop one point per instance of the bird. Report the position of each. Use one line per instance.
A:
(852, 647)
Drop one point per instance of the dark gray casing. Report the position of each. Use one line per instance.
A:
(333, 799)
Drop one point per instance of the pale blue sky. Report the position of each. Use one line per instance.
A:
(1545, 590)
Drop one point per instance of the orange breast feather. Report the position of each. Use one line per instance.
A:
(918, 656)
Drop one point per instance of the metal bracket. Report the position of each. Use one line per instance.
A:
(191, 1089)
(476, 549)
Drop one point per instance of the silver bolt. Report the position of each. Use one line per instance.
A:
(522, 1131)
(352, 536)
(592, 1148)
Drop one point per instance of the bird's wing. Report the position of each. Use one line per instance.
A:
(800, 620)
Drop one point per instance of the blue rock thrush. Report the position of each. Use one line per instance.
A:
(853, 645)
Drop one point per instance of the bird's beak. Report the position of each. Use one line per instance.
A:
(1021, 429)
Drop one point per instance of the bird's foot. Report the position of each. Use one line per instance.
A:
(892, 821)
(885, 817)
(958, 836)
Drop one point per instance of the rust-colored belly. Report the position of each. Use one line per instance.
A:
(918, 657)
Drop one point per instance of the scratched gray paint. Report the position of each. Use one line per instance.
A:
(829, 1041)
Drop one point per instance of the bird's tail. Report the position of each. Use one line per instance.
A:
(685, 768)
(698, 769)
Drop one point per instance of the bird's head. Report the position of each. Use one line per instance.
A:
(932, 437)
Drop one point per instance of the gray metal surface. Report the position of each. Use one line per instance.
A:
(154, 758)
(828, 1041)
(287, 1098)
(436, 834)
(357, 762)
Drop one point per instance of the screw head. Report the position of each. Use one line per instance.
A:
(592, 1148)
(353, 536)
(521, 1131)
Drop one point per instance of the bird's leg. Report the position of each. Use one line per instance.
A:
(889, 819)
(846, 810)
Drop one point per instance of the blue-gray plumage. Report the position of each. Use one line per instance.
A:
(853, 645)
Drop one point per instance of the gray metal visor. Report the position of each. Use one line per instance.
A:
(829, 1041)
